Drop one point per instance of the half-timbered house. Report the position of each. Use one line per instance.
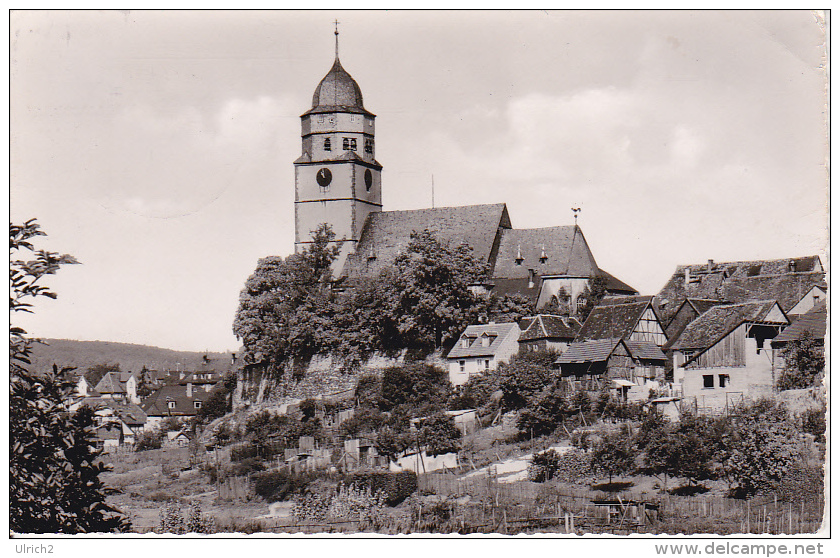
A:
(547, 332)
(724, 356)
(629, 318)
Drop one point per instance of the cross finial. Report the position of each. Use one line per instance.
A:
(336, 37)
(575, 211)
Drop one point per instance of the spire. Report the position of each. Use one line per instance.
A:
(336, 38)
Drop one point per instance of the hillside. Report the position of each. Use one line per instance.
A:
(130, 357)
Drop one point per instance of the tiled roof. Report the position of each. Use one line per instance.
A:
(700, 305)
(110, 383)
(598, 350)
(613, 300)
(548, 251)
(387, 233)
(129, 413)
(612, 321)
(547, 326)
(157, 403)
(814, 321)
(717, 322)
(645, 350)
(502, 287)
(615, 285)
(474, 333)
(337, 91)
(742, 281)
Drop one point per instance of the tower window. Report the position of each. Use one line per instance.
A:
(327, 145)
(345, 143)
(353, 144)
(352, 118)
(320, 119)
(368, 146)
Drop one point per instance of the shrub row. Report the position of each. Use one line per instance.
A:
(571, 466)
(396, 486)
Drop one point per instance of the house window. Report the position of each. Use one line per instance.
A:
(327, 145)
(170, 404)
(487, 364)
(463, 365)
(197, 404)
(708, 381)
(723, 380)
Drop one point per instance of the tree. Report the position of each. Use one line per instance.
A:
(421, 388)
(615, 455)
(54, 484)
(761, 446)
(426, 293)
(544, 412)
(524, 376)
(591, 296)
(287, 304)
(439, 434)
(96, 372)
(510, 308)
(804, 361)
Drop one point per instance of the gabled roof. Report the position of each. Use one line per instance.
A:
(782, 280)
(614, 320)
(497, 333)
(385, 234)
(548, 251)
(716, 323)
(547, 326)
(110, 383)
(502, 287)
(813, 321)
(700, 305)
(615, 285)
(645, 350)
(129, 413)
(598, 350)
(157, 403)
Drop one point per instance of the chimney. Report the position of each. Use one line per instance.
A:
(233, 358)
(531, 278)
(687, 276)
(710, 265)
(189, 389)
(792, 266)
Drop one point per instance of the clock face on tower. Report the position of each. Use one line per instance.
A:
(324, 177)
(368, 179)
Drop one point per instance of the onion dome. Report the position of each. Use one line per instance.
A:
(338, 89)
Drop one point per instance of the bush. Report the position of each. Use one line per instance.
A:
(243, 451)
(525, 376)
(571, 466)
(813, 422)
(246, 466)
(439, 434)
(149, 440)
(173, 520)
(396, 486)
(277, 486)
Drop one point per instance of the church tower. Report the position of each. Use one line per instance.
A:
(337, 178)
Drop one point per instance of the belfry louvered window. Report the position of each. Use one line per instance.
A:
(327, 145)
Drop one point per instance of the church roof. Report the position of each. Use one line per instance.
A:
(548, 251)
(387, 233)
(337, 92)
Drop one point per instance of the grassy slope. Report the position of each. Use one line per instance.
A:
(84, 354)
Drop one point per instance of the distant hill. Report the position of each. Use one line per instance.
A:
(130, 357)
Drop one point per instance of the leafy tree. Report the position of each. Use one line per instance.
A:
(476, 393)
(96, 372)
(510, 308)
(591, 296)
(544, 413)
(439, 434)
(615, 455)
(558, 304)
(524, 376)
(662, 456)
(761, 446)
(149, 440)
(813, 422)
(427, 297)
(286, 305)
(220, 401)
(54, 484)
(364, 420)
(804, 362)
(368, 389)
(392, 442)
(420, 387)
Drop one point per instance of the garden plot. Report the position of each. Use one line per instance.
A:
(514, 469)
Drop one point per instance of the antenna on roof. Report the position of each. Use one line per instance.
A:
(575, 211)
(433, 191)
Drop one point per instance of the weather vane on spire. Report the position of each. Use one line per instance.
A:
(575, 211)
(336, 37)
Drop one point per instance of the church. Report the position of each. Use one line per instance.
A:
(338, 181)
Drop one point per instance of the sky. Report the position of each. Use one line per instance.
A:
(157, 147)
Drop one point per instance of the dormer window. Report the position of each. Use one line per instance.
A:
(465, 343)
(485, 341)
(327, 145)
(197, 404)
(543, 256)
(519, 259)
(170, 404)
(371, 255)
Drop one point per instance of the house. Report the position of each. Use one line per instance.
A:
(111, 386)
(810, 300)
(173, 400)
(687, 312)
(115, 416)
(547, 332)
(631, 368)
(786, 281)
(724, 356)
(480, 349)
(629, 318)
(179, 439)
